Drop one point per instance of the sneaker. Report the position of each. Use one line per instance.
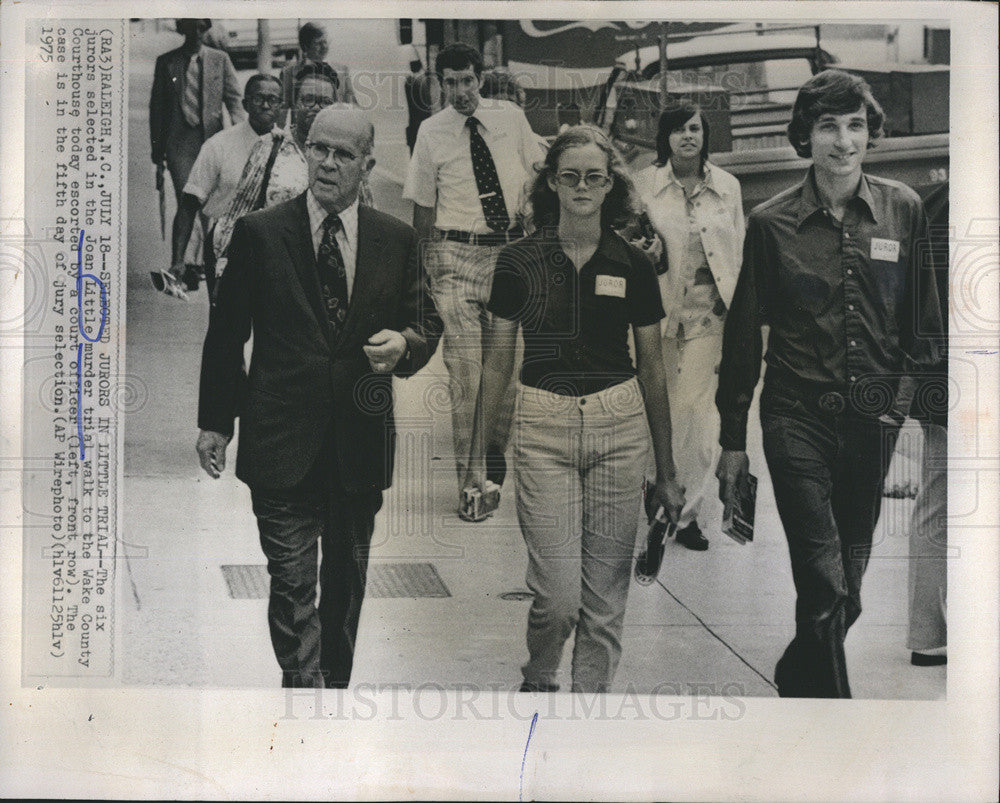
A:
(692, 538)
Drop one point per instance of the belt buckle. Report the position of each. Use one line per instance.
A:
(832, 402)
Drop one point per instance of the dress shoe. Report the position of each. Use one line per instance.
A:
(692, 538)
(191, 277)
(928, 658)
(530, 686)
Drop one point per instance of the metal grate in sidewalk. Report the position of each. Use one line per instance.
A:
(385, 581)
(246, 582)
(389, 580)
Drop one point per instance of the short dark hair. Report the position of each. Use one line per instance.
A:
(620, 204)
(256, 80)
(458, 56)
(309, 33)
(673, 118)
(323, 71)
(183, 24)
(832, 92)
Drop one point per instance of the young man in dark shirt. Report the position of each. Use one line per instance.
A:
(838, 267)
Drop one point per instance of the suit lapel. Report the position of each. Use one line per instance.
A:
(364, 292)
(177, 67)
(297, 237)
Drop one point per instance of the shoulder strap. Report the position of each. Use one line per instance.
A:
(262, 197)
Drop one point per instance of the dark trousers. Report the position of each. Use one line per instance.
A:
(208, 254)
(827, 470)
(314, 644)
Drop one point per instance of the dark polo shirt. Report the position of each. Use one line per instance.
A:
(575, 323)
(852, 305)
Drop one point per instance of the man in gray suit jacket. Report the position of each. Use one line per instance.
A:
(334, 295)
(190, 86)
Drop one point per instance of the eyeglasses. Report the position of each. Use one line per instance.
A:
(310, 101)
(595, 180)
(321, 152)
(266, 100)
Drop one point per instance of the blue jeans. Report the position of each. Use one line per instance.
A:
(578, 467)
(827, 470)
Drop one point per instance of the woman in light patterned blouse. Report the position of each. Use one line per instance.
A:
(697, 210)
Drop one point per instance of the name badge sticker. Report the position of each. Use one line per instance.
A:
(885, 250)
(610, 286)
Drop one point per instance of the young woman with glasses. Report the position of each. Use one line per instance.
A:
(585, 413)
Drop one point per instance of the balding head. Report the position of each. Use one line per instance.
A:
(349, 119)
(338, 155)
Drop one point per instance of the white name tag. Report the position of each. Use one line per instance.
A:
(885, 250)
(610, 286)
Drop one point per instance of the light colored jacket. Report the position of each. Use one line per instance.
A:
(718, 211)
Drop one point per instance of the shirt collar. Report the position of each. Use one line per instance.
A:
(809, 201)
(483, 114)
(611, 247)
(317, 214)
(665, 177)
(458, 120)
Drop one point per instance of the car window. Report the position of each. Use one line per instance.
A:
(749, 83)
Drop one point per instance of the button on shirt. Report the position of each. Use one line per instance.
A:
(702, 309)
(440, 172)
(575, 324)
(217, 170)
(714, 214)
(347, 237)
(847, 301)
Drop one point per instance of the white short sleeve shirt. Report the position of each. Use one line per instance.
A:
(440, 172)
(217, 170)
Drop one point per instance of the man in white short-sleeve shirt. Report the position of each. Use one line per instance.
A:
(466, 178)
(216, 172)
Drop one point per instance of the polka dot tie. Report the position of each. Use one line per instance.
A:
(487, 180)
(332, 274)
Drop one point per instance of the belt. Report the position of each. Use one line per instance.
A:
(491, 238)
(876, 402)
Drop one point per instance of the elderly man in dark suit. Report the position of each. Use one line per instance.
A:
(190, 86)
(337, 303)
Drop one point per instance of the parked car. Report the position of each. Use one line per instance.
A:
(746, 83)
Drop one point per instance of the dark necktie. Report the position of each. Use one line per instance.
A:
(487, 180)
(332, 274)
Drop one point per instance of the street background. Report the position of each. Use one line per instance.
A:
(718, 619)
